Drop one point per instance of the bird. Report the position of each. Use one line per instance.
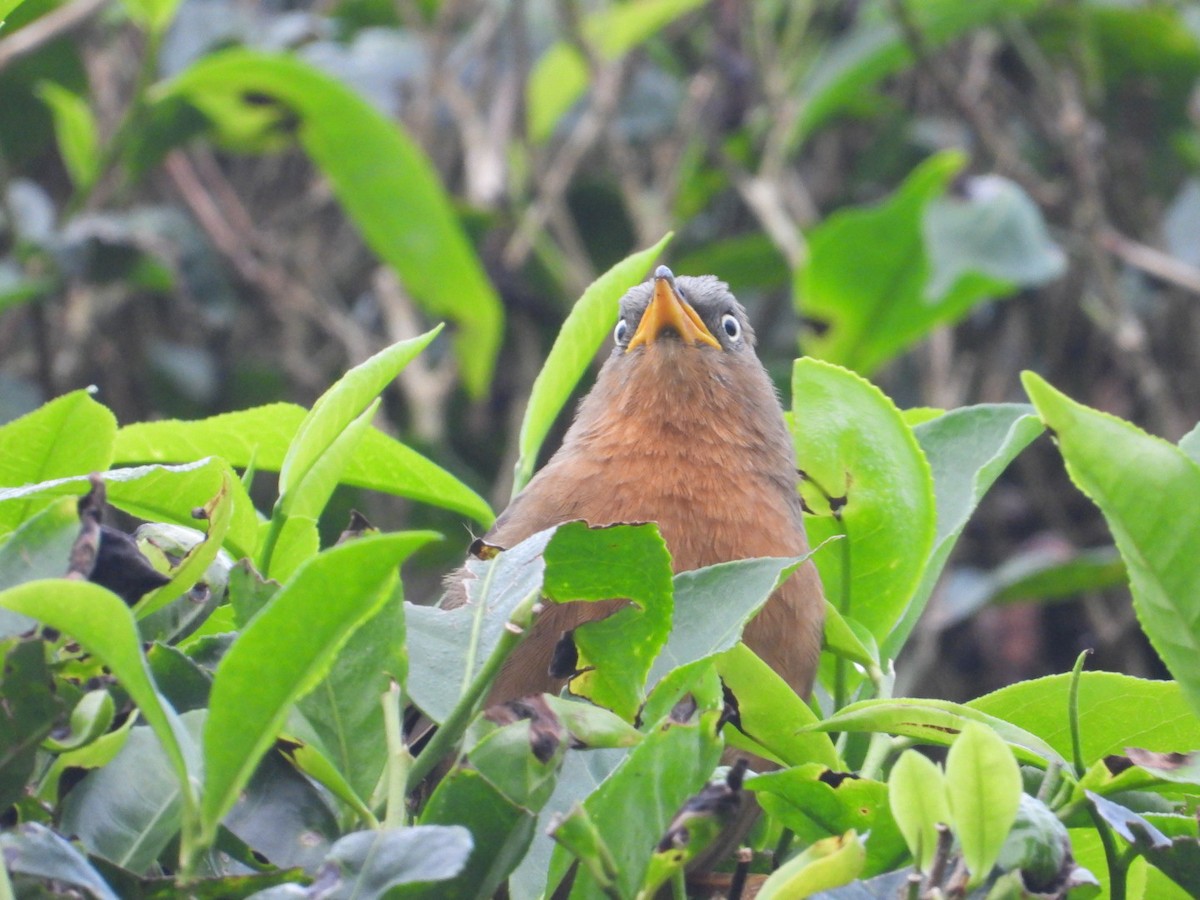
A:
(683, 427)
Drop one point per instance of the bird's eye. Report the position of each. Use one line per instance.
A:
(620, 331)
(732, 326)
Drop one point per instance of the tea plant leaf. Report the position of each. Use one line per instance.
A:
(590, 321)
(500, 830)
(772, 717)
(712, 605)
(33, 849)
(29, 710)
(829, 863)
(917, 794)
(161, 494)
(933, 722)
(865, 476)
(672, 763)
(312, 491)
(344, 402)
(130, 827)
(983, 786)
(816, 802)
(377, 863)
(1118, 467)
(387, 185)
(72, 435)
(100, 621)
(39, 548)
(218, 512)
(1111, 711)
(301, 630)
(560, 75)
(990, 227)
(75, 130)
(629, 562)
(967, 450)
(261, 436)
(345, 710)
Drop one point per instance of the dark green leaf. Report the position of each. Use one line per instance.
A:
(35, 850)
(130, 827)
(29, 709)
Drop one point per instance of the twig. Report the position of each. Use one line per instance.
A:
(1151, 261)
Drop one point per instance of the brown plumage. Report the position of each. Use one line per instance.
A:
(683, 427)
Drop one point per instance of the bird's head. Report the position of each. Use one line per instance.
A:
(686, 312)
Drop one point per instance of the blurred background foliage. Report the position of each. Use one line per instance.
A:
(211, 204)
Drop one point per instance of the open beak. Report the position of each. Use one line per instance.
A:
(668, 312)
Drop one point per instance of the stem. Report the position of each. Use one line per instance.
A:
(451, 730)
(1073, 713)
(1118, 867)
(477, 628)
(272, 538)
(399, 762)
(781, 848)
(679, 884)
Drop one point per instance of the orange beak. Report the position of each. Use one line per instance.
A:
(670, 312)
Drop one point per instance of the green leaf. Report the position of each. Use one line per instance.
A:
(218, 512)
(917, 794)
(934, 722)
(29, 709)
(826, 864)
(992, 228)
(75, 129)
(442, 641)
(1190, 444)
(100, 621)
(1119, 467)
(311, 492)
(983, 786)
(712, 606)
(585, 329)
(130, 827)
(867, 272)
(1112, 713)
(317, 766)
(1037, 845)
(672, 763)
(967, 449)
(1179, 858)
(39, 548)
(345, 709)
(90, 718)
(387, 185)
(770, 714)
(344, 402)
(816, 803)
(622, 561)
(260, 438)
(160, 494)
(500, 831)
(851, 443)
(376, 863)
(35, 850)
(6, 7)
(520, 762)
(300, 630)
(71, 435)
(153, 15)
(560, 75)
(847, 638)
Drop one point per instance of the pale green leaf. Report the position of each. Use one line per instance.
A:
(983, 786)
(75, 130)
(917, 794)
(1148, 491)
